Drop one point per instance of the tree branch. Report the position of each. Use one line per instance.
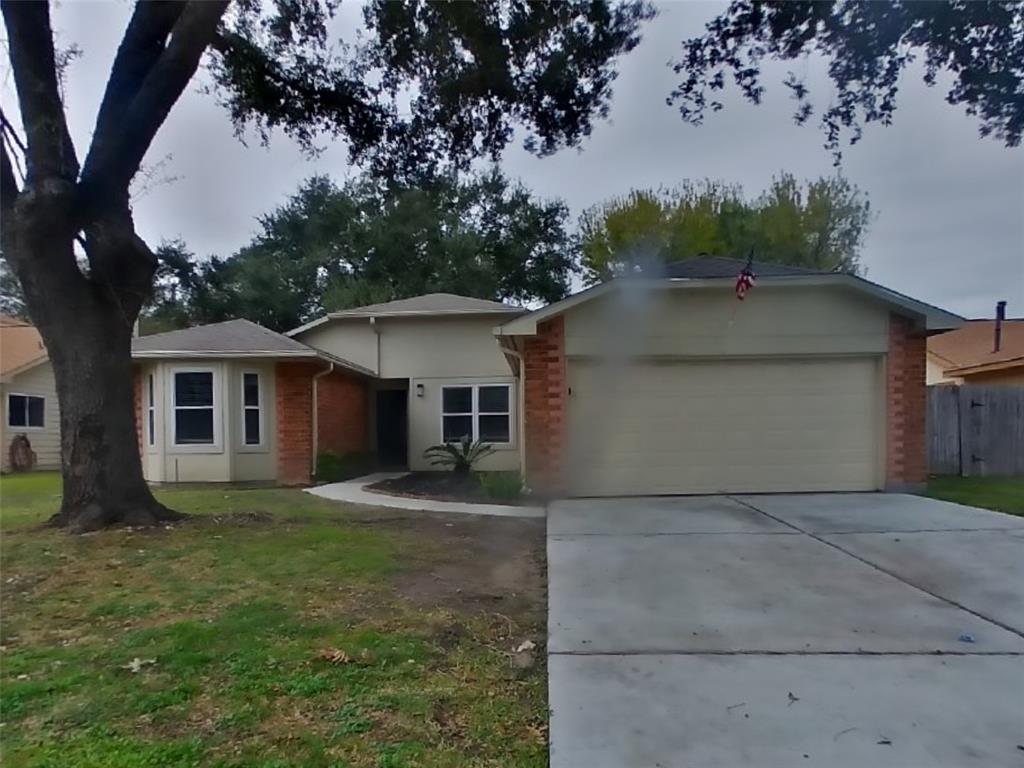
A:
(30, 41)
(144, 41)
(116, 157)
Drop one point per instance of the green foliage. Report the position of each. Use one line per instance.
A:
(331, 247)
(867, 45)
(335, 467)
(460, 456)
(501, 485)
(819, 225)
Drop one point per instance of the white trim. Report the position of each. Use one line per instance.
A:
(262, 444)
(359, 315)
(202, 354)
(475, 413)
(26, 428)
(216, 445)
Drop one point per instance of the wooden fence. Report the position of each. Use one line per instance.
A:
(975, 431)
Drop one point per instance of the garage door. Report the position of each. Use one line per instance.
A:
(724, 426)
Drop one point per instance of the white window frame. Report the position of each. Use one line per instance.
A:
(26, 395)
(215, 446)
(475, 413)
(151, 410)
(258, 407)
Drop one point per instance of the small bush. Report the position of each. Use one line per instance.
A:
(501, 485)
(460, 457)
(335, 467)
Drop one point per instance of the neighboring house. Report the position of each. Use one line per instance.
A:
(969, 355)
(28, 393)
(816, 382)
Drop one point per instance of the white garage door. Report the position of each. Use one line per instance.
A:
(724, 426)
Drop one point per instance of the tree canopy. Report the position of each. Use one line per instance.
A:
(820, 225)
(867, 45)
(332, 247)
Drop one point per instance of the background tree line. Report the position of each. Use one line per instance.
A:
(331, 246)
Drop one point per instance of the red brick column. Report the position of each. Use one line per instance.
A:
(294, 402)
(342, 402)
(906, 461)
(544, 392)
(137, 398)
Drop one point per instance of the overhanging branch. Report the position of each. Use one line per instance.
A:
(113, 162)
(30, 42)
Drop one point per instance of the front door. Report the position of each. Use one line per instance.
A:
(393, 428)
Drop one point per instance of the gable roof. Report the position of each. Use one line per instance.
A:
(971, 346)
(427, 305)
(930, 317)
(230, 339)
(21, 346)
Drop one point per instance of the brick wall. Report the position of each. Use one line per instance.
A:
(137, 397)
(342, 402)
(294, 402)
(544, 393)
(906, 400)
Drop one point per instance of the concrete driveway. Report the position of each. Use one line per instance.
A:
(785, 630)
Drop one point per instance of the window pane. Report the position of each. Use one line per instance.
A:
(35, 411)
(494, 429)
(457, 427)
(193, 388)
(252, 426)
(150, 380)
(16, 411)
(494, 399)
(251, 388)
(457, 400)
(152, 426)
(193, 426)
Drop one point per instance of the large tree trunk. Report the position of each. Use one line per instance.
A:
(86, 322)
(100, 460)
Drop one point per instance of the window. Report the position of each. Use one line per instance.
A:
(252, 409)
(193, 408)
(27, 411)
(479, 412)
(150, 410)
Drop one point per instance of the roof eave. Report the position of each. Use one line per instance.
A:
(995, 365)
(213, 354)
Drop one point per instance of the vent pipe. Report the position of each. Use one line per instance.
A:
(1000, 316)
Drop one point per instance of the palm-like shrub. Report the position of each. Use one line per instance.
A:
(459, 457)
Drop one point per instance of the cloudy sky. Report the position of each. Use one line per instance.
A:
(949, 226)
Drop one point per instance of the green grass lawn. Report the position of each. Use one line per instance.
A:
(1003, 494)
(274, 629)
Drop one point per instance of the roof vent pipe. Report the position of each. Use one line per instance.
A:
(1000, 316)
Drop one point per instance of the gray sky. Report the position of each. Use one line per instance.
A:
(949, 226)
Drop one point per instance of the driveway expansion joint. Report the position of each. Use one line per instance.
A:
(880, 569)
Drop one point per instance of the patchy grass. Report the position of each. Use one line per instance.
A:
(1003, 494)
(275, 629)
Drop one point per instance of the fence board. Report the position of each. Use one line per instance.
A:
(976, 431)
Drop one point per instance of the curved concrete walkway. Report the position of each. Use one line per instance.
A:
(356, 492)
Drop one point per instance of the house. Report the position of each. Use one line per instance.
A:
(975, 354)
(233, 401)
(28, 393)
(643, 385)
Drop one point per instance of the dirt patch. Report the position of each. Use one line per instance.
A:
(492, 563)
(443, 486)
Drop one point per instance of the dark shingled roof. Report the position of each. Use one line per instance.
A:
(232, 336)
(706, 267)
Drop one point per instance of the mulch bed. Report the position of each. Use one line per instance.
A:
(443, 486)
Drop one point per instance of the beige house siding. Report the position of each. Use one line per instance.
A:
(434, 352)
(684, 323)
(37, 381)
(935, 373)
(228, 459)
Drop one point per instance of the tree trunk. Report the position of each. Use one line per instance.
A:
(86, 322)
(100, 459)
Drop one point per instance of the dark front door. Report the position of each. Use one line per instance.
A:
(393, 427)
